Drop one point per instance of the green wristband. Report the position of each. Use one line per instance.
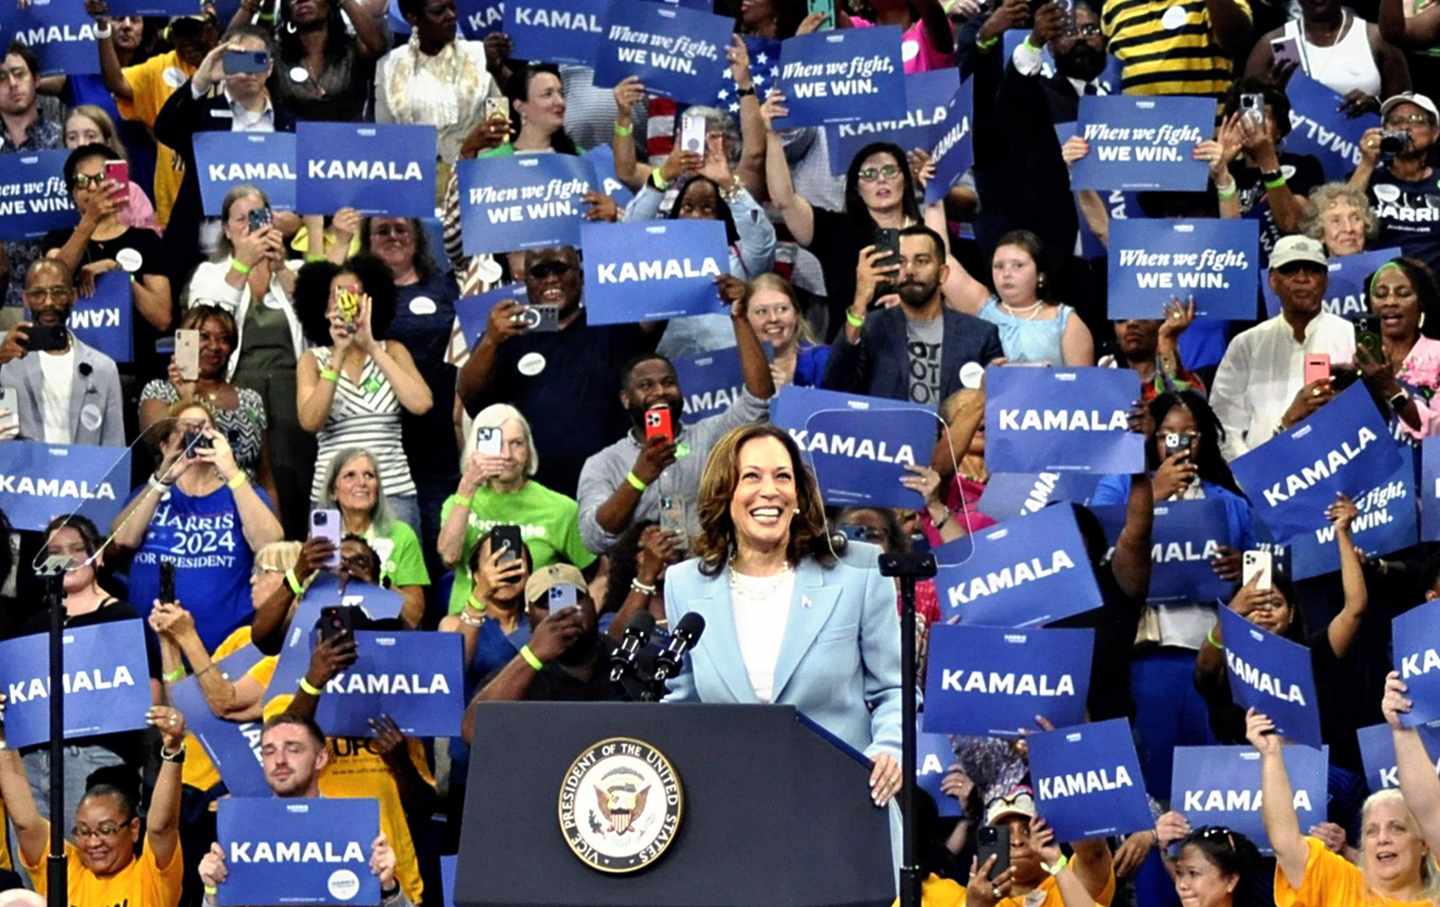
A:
(635, 481)
(530, 658)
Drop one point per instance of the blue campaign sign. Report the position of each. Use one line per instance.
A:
(993, 682)
(1272, 675)
(927, 102)
(416, 678)
(711, 382)
(677, 51)
(103, 319)
(1057, 420)
(1415, 646)
(652, 270)
(1220, 785)
(934, 754)
(1184, 538)
(373, 168)
(1010, 494)
(1430, 490)
(1346, 294)
(33, 197)
(954, 150)
(39, 482)
(1387, 522)
(1377, 753)
(265, 160)
(858, 446)
(523, 201)
(234, 747)
(1215, 261)
(324, 591)
(474, 311)
(602, 158)
(1318, 127)
(298, 850)
(1024, 572)
(850, 76)
(106, 682)
(1143, 143)
(1293, 477)
(556, 31)
(479, 18)
(1087, 781)
(61, 35)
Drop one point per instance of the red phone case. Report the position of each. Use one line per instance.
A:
(657, 422)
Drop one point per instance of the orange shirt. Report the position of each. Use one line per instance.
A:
(139, 884)
(1331, 881)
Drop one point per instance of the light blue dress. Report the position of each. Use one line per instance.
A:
(1028, 341)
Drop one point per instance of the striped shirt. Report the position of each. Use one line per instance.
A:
(1166, 47)
(365, 415)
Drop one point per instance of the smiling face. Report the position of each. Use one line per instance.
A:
(881, 181)
(544, 104)
(1017, 276)
(1392, 297)
(105, 835)
(216, 345)
(357, 486)
(1199, 882)
(291, 759)
(392, 239)
(1391, 844)
(1342, 228)
(763, 503)
(553, 277)
(773, 317)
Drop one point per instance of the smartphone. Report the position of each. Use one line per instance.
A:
(326, 524)
(488, 442)
(119, 172)
(657, 423)
(993, 840)
(45, 337)
(692, 134)
(260, 218)
(246, 62)
(347, 303)
(563, 596)
(888, 241)
(507, 538)
(187, 354)
(167, 582)
(1257, 563)
(10, 403)
(1367, 335)
(1252, 108)
(1176, 441)
(539, 319)
(1317, 367)
(1285, 50)
(823, 6)
(497, 109)
(672, 520)
(337, 622)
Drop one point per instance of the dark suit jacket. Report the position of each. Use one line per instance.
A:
(879, 365)
(182, 116)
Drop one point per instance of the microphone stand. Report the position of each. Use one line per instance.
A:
(909, 568)
(52, 575)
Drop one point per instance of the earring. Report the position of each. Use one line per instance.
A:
(1422, 320)
(797, 511)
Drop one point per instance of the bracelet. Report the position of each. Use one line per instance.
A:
(987, 43)
(102, 32)
(174, 758)
(1054, 868)
(624, 131)
(1210, 638)
(1275, 183)
(855, 321)
(637, 586)
(308, 687)
(1280, 427)
(530, 658)
(658, 180)
(1027, 43)
(211, 890)
(329, 374)
(1227, 191)
(204, 669)
(177, 674)
(467, 620)
(158, 486)
(745, 92)
(293, 582)
(942, 521)
(238, 266)
(635, 482)
(238, 480)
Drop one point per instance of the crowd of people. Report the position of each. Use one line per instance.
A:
(481, 478)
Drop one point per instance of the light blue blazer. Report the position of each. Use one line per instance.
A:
(839, 661)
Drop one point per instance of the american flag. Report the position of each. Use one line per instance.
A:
(764, 69)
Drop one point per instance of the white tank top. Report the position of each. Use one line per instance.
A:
(1345, 66)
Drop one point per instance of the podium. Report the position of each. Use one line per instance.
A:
(773, 810)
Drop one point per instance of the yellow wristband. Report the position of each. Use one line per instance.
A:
(635, 482)
(855, 321)
(211, 890)
(329, 374)
(475, 603)
(463, 502)
(624, 131)
(659, 180)
(239, 267)
(530, 658)
(308, 687)
(293, 582)
(177, 674)
(1210, 638)
(238, 480)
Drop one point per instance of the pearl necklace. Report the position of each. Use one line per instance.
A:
(1028, 313)
(758, 587)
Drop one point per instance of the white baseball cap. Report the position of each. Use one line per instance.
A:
(1291, 249)
(1411, 97)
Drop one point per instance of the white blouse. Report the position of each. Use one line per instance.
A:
(761, 607)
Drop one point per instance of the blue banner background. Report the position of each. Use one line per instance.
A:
(1146, 157)
(1415, 644)
(927, 102)
(677, 51)
(226, 742)
(1101, 391)
(1319, 128)
(33, 197)
(336, 822)
(1287, 664)
(61, 35)
(1199, 771)
(614, 295)
(265, 160)
(1103, 747)
(406, 150)
(523, 201)
(849, 76)
(556, 31)
(428, 657)
(39, 482)
(1184, 254)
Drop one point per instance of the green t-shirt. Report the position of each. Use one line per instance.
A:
(401, 560)
(549, 523)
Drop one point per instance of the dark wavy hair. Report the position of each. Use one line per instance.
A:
(722, 207)
(808, 534)
(84, 153)
(517, 88)
(312, 295)
(424, 260)
(1234, 855)
(1207, 457)
(1425, 285)
(859, 215)
(287, 36)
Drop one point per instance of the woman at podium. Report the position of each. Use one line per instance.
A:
(787, 620)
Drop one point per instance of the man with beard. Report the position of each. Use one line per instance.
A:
(647, 476)
(69, 395)
(1259, 388)
(26, 129)
(1151, 347)
(572, 370)
(917, 350)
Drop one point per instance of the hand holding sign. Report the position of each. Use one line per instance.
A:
(170, 722)
(1261, 733)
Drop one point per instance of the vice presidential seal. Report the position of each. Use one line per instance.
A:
(620, 805)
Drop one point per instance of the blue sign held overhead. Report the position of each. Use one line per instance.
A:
(1386, 523)
(678, 52)
(480, 18)
(523, 201)
(850, 76)
(155, 8)
(711, 383)
(556, 31)
(602, 158)
(60, 34)
(1317, 127)
(1220, 785)
(1056, 420)
(374, 168)
(1415, 642)
(1377, 753)
(1346, 294)
(33, 196)
(103, 319)
(1143, 143)
(294, 659)
(416, 678)
(39, 482)
(1010, 494)
(106, 682)
(298, 850)
(954, 150)
(1087, 781)
(265, 160)
(234, 747)
(1214, 261)
(1272, 675)
(652, 270)
(927, 102)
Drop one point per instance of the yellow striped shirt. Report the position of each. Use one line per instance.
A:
(1165, 47)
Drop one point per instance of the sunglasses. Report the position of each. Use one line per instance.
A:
(871, 174)
(549, 269)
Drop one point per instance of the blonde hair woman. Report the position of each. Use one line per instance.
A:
(91, 125)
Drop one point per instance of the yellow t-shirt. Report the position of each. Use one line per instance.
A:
(199, 771)
(4, 838)
(1331, 881)
(152, 82)
(356, 769)
(140, 884)
(938, 892)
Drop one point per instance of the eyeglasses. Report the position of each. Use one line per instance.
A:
(87, 181)
(392, 230)
(871, 174)
(103, 830)
(1414, 119)
(258, 570)
(37, 295)
(1086, 31)
(549, 269)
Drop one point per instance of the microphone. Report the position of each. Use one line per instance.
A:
(637, 634)
(682, 639)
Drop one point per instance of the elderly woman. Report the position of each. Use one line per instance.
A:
(239, 411)
(1342, 219)
(774, 313)
(763, 552)
(201, 512)
(497, 488)
(354, 487)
